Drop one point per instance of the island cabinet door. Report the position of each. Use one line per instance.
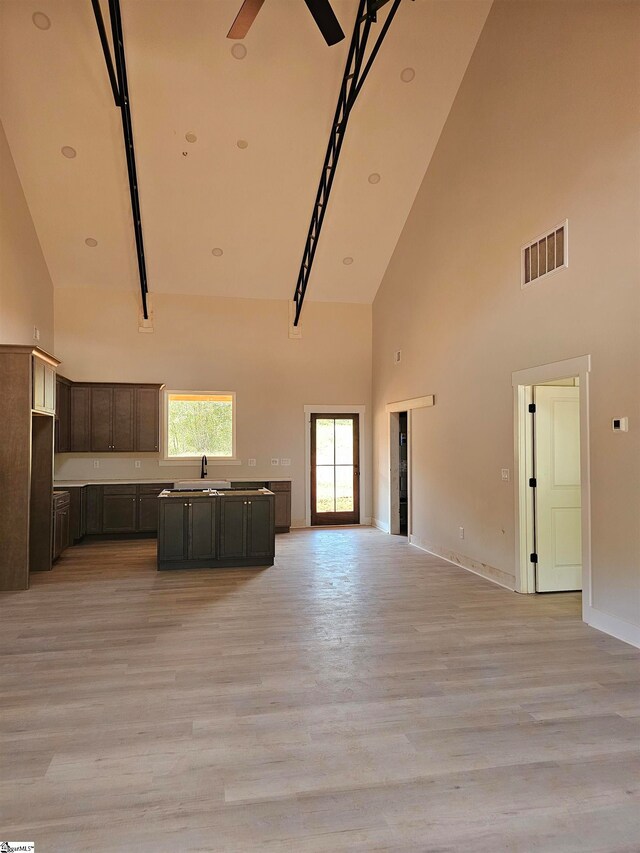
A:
(233, 527)
(202, 529)
(172, 536)
(260, 527)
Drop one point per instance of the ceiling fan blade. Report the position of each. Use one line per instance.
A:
(326, 20)
(244, 19)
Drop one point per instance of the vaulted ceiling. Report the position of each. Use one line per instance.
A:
(252, 200)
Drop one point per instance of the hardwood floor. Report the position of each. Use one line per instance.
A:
(359, 695)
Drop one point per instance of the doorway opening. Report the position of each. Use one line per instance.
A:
(399, 472)
(335, 469)
(552, 489)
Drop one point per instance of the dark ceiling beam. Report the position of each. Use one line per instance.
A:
(104, 41)
(120, 89)
(352, 81)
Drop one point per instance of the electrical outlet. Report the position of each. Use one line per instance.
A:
(461, 532)
(251, 463)
(285, 462)
(96, 463)
(620, 424)
(506, 474)
(275, 461)
(137, 463)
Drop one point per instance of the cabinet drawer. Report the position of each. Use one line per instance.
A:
(253, 485)
(61, 500)
(153, 488)
(126, 489)
(279, 487)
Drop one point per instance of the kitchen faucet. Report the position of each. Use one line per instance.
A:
(203, 468)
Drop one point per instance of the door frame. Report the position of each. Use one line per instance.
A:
(337, 518)
(392, 410)
(522, 382)
(321, 409)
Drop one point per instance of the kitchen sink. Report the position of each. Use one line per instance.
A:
(200, 485)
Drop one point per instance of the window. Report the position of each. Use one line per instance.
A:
(199, 424)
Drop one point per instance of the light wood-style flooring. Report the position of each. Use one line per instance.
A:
(358, 696)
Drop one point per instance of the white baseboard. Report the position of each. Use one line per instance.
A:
(612, 625)
(483, 570)
(301, 524)
(381, 525)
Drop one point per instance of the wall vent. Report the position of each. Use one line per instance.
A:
(546, 254)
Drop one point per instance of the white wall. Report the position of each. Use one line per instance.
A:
(209, 344)
(26, 292)
(545, 126)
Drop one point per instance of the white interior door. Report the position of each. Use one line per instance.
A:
(558, 498)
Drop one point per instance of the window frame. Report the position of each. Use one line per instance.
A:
(191, 460)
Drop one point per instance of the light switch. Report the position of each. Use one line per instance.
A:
(96, 463)
(506, 474)
(251, 463)
(137, 463)
(285, 462)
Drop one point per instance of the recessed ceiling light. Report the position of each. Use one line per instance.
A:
(190, 137)
(238, 51)
(41, 21)
(68, 152)
(217, 252)
(407, 75)
(374, 178)
(90, 241)
(242, 143)
(347, 261)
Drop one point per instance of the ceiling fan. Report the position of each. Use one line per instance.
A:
(321, 10)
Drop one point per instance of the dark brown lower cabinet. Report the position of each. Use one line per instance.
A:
(61, 521)
(119, 509)
(187, 532)
(114, 509)
(78, 513)
(282, 499)
(210, 532)
(147, 521)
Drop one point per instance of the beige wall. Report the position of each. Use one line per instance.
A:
(209, 344)
(26, 292)
(545, 126)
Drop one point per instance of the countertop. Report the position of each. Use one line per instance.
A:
(69, 484)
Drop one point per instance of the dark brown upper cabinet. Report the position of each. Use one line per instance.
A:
(112, 418)
(63, 415)
(147, 419)
(79, 419)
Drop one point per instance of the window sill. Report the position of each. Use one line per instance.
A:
(196, 460)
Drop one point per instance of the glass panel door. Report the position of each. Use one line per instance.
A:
(335, 477)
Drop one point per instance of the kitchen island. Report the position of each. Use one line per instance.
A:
(208, 529)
